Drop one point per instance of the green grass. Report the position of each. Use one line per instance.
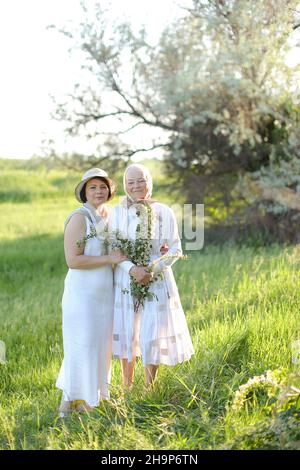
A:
(34, 181)
(242, 306)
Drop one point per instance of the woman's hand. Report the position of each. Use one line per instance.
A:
(141, 275)
(117, 256)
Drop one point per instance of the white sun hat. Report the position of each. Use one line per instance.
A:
(95, 173)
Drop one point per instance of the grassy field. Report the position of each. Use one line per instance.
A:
(242, 306)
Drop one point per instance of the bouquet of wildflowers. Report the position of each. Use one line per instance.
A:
(138, 251)
(140, 292)
(100, 231)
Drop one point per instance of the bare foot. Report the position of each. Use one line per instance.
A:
(65, 408)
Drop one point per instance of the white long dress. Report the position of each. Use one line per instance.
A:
(158, 332)
(87, 307)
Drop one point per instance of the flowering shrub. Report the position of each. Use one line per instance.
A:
(272, 197)
(266, 386)
(281, 428)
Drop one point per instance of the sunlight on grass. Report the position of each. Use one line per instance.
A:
(242, 306)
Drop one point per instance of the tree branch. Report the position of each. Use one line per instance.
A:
(134, 111)
(96, 117)
(130, 153)
(63, 161)
(122, 132)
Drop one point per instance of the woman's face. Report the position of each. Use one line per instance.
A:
(96, 192)
(136, 184)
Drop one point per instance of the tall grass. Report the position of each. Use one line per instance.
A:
(241, 304)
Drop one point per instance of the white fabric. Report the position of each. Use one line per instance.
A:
(87, 307)
(158, 332)
(126, 265)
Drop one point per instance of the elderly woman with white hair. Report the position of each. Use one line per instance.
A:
(158, 331)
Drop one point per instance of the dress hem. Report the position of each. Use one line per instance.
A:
(156, 363)
(89, 402)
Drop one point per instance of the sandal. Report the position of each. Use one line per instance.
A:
(66, 407)
(81, 405)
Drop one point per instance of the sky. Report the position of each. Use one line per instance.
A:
(35, 63)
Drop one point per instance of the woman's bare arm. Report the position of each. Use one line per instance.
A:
(76, 231)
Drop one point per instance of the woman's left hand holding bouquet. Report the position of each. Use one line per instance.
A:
(141, 275)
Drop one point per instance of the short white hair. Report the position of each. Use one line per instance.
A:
(146, 173)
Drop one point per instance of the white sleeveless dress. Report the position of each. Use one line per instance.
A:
(87, 317)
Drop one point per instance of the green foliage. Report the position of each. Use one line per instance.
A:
(235, 111)
(23, 186)
(259, 389)
(41, 179)
(279, 428)
(241, 303)
(285, 174)
(216, 82)
(272, 198)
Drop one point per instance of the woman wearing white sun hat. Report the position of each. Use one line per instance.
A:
(87, 303)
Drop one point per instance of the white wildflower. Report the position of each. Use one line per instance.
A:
(267, 381)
